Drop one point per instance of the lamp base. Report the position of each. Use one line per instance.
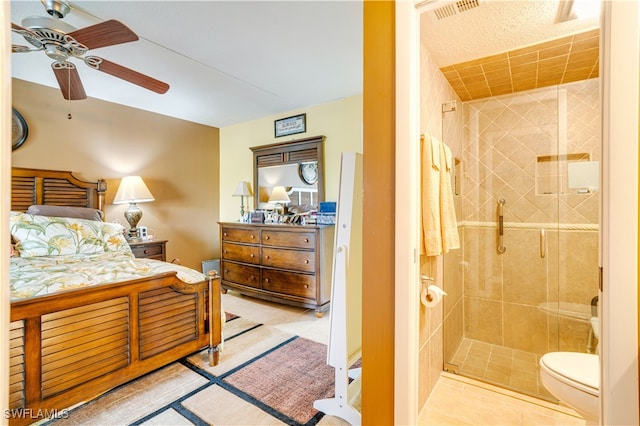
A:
(133, 214)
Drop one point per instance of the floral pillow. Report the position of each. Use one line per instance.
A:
(37, 235)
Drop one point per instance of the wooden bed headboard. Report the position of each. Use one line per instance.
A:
(54, 187)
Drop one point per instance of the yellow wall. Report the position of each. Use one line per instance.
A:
(339, 121)
(177, 159)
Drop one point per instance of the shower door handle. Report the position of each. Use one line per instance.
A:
(543, 243)
(501, 247)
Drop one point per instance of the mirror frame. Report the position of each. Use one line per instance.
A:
(295, 151)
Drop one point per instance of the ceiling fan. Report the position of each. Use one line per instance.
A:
(61, 41)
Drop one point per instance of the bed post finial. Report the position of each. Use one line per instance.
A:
(101, 188)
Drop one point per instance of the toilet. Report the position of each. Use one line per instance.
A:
(573, 378)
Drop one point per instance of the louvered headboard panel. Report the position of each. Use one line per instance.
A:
(54, 187)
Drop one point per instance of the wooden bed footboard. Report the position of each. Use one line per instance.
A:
(71, 346)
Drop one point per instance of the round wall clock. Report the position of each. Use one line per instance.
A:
(19, 129)
(309, 172)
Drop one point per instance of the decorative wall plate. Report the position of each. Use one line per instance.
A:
(19, 129)
(309, 172)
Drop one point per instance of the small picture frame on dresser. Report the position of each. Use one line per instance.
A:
(257, 217)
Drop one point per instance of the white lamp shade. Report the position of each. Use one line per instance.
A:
(243, 190)
(279, 195)
(132, 189)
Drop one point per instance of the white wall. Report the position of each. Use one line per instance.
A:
(619, 299)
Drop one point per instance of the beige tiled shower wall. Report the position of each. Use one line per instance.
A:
(436, 91)
(512, 299)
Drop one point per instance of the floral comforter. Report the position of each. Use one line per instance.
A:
(59, 253)
(43, 275)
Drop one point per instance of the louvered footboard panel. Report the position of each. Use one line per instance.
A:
(167, 319)
(83, 343)
(16, 364)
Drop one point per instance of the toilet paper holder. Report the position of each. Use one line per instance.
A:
(430, 293)
(426, 281)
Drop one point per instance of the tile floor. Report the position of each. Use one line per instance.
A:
(510, 368)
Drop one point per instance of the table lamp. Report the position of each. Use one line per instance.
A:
(242, 190)
(133, 190)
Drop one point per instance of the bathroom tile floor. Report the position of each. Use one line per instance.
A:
(510, 368)
(457, 400)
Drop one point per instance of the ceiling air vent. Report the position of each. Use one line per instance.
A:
(439, 10)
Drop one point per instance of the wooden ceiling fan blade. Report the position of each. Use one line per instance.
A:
(69, 81)
(17, 27)
(17, 48)
(104, 34)
(132, 76)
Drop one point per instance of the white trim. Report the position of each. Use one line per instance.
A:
(407, 213)
(619, 248)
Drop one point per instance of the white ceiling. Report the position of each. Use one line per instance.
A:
(496, 26)
(232, 61)
(226, 61)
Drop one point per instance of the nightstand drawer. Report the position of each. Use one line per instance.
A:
(241, 235)
(241, 253)
(149, 250)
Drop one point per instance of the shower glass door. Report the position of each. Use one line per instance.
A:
(523, 281)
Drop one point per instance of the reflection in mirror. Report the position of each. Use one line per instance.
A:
(294, 178)
(296, 165)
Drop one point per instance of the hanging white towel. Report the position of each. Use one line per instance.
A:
(439, 226)
(448, 223)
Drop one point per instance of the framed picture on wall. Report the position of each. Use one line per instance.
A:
(290, 125)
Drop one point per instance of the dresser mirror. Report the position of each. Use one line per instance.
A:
(297, 166)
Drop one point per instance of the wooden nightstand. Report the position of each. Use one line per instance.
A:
(154, 249)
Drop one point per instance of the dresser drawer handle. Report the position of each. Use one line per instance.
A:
(266, 280)
(252, 255)
(252, 236)
(146, 251)
(267, 237)
(306, 240)
(225, 234)
(268, 257)
(306, 286)
(306, 261)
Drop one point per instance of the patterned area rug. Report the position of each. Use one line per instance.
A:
(288, 379)
(265, 377)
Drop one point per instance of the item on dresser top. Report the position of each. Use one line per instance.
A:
(327, 213)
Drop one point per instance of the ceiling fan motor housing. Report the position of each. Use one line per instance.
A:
(56, 8)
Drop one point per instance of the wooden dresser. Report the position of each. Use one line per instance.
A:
(283, 263)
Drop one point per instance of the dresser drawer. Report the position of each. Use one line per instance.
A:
(290, 283)
(241, 253)
(240, 235)
(304, 240)
(289, 259)
(241, 274)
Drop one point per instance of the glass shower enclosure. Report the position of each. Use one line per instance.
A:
(526, 191)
